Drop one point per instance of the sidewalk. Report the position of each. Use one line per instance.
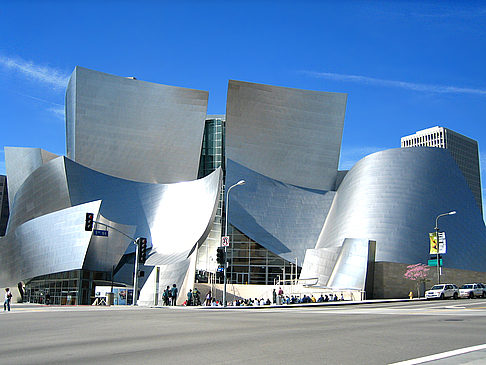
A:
(324, 304)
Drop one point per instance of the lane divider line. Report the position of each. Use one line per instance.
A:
(442, 355)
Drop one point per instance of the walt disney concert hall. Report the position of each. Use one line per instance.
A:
(147, 160)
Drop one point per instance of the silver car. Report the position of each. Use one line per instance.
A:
(470, 291)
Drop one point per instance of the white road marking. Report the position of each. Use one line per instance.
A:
(442, 355)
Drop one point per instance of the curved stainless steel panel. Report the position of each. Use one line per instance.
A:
(52, 243)
(173, 217)
(351, 265)
(394, 197)
(20, 162)
(104, 252)
(44, 191)
(134, 129)
(180, 273)
(289, 135)
(283, 218)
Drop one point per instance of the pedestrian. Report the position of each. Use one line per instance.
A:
(189, 297)
(208, 298)
(173, 294)
(8, 298)
(342, 297)
(274, 296)
(196, 300)
(166, 295)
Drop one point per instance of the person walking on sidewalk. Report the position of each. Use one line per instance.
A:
(8, 297)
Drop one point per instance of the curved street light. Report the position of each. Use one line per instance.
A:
(437, 238)
(241, 182)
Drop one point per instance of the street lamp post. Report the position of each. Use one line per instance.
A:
(241, 182)
(437, 238)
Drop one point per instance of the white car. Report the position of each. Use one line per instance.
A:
(482, 286)
(442, 291)
(470, 291)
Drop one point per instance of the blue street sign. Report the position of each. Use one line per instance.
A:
(100, 232)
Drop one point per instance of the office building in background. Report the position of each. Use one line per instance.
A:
(463, 149)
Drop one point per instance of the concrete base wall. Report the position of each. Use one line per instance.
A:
(390, 283)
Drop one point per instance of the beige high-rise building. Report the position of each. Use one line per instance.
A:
(463, 149)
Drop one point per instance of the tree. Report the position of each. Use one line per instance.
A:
(418, 273)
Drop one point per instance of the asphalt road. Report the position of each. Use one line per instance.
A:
(361, 334)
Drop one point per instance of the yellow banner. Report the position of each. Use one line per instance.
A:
(433, 243)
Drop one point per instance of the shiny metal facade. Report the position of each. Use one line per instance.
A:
(174, 217)
(133, 150)
(393, 197)
(289, 135)
(283, 218)
(51, 243)
(134, 129)
(285, 144)
(20, 162)
(353, 264)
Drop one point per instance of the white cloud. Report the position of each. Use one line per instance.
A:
(393, 83)
(58, 111)
(44, 74)
(55, 108)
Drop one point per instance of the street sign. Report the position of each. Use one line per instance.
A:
(225, 241)
(433, 262)
(100, 232)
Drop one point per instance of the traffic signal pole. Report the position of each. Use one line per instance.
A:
(135, 274)
(136, 241)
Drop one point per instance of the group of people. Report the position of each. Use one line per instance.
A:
(169, 296)
(279, 298)
(193, 297)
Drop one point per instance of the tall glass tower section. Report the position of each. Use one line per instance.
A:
(212, 151)
(212, 157)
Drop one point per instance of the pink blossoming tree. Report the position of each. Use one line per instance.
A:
(418, 273)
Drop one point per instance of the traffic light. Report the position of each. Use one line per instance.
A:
(142, 247)
(88, 225)
(220, 256)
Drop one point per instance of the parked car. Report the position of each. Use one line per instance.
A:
(442, 291)
(470, 291)
(482, 286)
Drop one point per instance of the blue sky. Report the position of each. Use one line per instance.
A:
(406, 65)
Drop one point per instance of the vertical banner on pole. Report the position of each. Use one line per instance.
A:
(442, 242)
(433, 243)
